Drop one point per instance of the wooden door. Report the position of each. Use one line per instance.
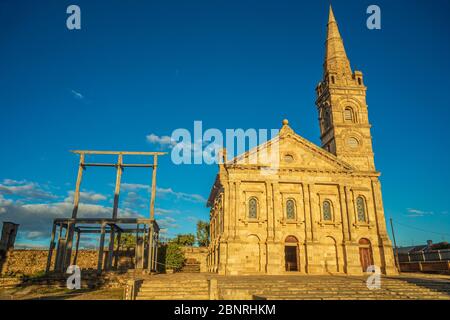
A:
(366, 258)
(290, 256)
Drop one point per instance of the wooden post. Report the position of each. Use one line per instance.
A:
(152, 201)
(70, 226)
(117, 188)
(76, 195)
(115, 211)
(68, 244)
(116, 256)
(50, 249)
(155, 260)
(75, 258)
(150, 247)
(395, 245)
(101, 248)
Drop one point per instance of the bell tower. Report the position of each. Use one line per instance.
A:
(341, 103)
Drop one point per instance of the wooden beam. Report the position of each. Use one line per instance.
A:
(75, 258)
(152, 200)
(136, 153)
(100, 251)
(50, 249)
(117, 188)
(124, 165)
(76, 195)
(105, 220)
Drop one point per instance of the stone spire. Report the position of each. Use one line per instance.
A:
(336, 60)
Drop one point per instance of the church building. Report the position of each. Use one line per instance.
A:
(320, 209)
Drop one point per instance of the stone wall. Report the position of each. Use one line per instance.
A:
(198, 253)
(428, 266)
(30, 262)
(33, 261)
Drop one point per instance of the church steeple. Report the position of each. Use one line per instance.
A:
(336, 61)
(341, 103)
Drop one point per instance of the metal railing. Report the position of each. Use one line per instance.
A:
(425, 256)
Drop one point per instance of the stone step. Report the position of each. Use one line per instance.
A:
(173, 294)
(173, 286)
(169, 292)
(347, 297)
(188, 297)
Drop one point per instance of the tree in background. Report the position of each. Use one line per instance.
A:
(202, 233)
(174, 256)
(185, 239)
(128, 240)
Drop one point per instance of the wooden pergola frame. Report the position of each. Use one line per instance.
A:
(146, 230)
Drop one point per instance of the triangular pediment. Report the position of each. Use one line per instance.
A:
(290, 150)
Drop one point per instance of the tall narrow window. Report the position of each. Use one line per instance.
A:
(348, 114)
(326, 208)
(327, 119)
(252, 208)
(361, 209)
(290, 209)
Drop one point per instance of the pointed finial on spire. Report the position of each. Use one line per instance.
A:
(331, 15)
(336, 60)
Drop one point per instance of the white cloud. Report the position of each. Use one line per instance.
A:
(418, 213)
(162, 211)
(35, 219)
(180, 195)
(134, 186)
(192, 197)
(192, 219)
(29, 190)
(77, 95)
(167, 222)
(13, 182)
(163, 141)
(86, 196)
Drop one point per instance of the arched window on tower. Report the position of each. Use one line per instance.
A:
(327, 211)
(326, 118)
(290, 209)
(361, 209)
(252, 208)
(348, 115)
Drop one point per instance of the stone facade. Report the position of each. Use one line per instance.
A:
(304, 208)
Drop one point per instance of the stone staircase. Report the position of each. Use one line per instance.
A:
(330, 288)
(180, 286)
(191, 266)
(195, 286)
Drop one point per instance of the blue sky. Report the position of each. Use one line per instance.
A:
(138, 68)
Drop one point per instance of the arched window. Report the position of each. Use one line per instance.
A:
(326, 118)
(361, 209)
(348, 114)
(252, 208)
(326, 210)
(290, 209)
(352, 143)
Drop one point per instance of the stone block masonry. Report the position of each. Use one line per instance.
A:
(30, 262)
